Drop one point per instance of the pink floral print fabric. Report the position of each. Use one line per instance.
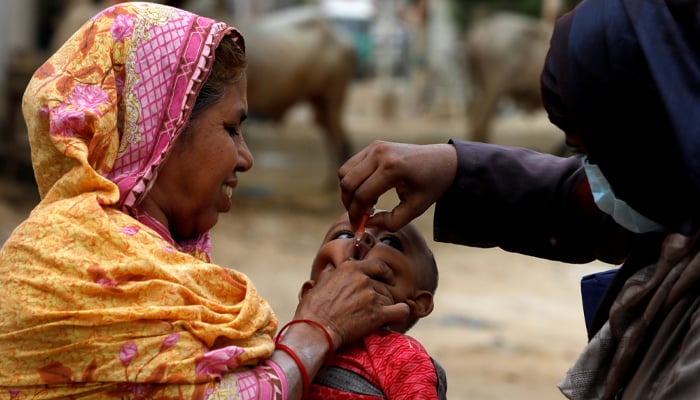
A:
(95, 303)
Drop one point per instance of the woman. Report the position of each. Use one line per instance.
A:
(621, 81)
(107, 288)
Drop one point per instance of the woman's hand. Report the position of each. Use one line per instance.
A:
(419, 173)
(352, 300)
(348, 300)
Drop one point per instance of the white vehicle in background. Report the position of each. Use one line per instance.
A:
(356, 18)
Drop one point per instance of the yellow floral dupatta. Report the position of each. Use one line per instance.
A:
(93, 302)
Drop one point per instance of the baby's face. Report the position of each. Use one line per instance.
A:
(405, 252)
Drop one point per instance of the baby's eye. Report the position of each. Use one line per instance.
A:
(344, 235)
(392, 241)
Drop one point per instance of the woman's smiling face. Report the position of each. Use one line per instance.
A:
(197, 179)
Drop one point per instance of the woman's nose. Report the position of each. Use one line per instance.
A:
(367, 241)
(245, 157)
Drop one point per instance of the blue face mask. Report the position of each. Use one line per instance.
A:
(618, 209)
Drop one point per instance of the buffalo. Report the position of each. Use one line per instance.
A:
(504, 55)
(504, 58)
(296, 59)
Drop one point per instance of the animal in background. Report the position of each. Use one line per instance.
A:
(300, 58)
(294, 56)
(504, 54)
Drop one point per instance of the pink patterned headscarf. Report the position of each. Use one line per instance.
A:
(104, 110)
(96, 303)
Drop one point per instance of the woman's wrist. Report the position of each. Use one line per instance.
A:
(310, 338)
(333, 344)
(302, 348)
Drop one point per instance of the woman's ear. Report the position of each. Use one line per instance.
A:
(305, 287)
(422, 304)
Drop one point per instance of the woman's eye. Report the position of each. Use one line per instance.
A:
(344, 235)
(232, 131)
(392, 242)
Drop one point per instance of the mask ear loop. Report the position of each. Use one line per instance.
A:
(604, 197)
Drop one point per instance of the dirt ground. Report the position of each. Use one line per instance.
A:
(504, 326)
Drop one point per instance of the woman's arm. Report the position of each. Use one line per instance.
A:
(347, 302)
(526, 202)
(280, 377)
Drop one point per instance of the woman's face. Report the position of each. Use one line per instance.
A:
(196, 181)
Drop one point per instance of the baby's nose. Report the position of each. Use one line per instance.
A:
(367, 241)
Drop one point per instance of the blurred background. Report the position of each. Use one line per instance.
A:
(472, 60)
(326, 78)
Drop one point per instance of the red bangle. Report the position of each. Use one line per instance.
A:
(302, 370)
(323, 329)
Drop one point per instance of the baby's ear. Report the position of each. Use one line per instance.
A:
(305, 287)
(422, 304)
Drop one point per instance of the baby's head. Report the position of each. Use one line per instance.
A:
(405, 252)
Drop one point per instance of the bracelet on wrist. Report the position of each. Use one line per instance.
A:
(331, 348)
(300, 365)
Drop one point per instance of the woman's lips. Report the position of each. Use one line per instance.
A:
(227, 190)
(227, 193)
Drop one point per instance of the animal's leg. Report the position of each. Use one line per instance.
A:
(481, 111)
(329, 117)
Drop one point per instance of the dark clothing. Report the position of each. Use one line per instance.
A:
(530, 203)
(526, 202)
(535, 204)
(624, 77)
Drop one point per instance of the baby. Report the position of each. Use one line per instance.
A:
(386, 364)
